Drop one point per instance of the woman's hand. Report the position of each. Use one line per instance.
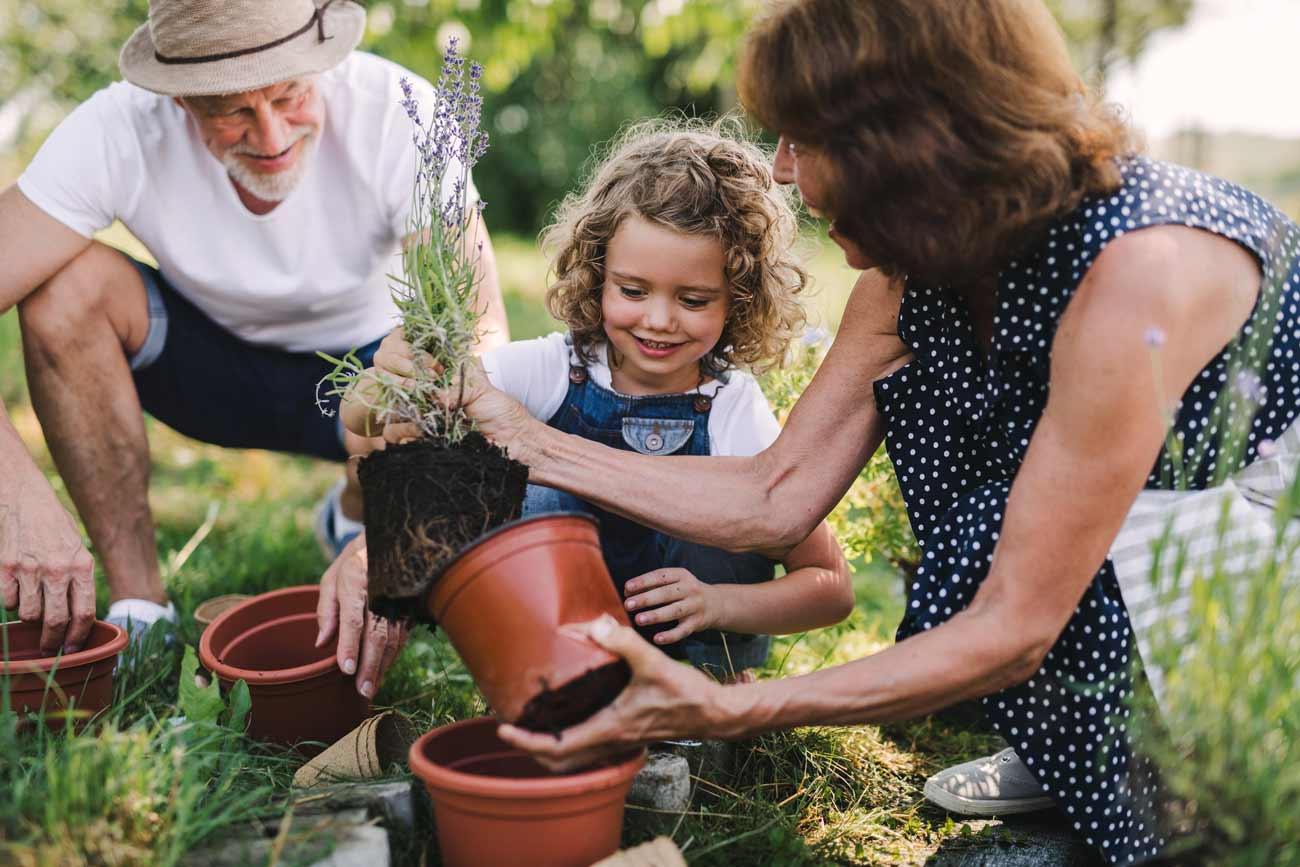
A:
(368, 643)
(500, 418)
(674, 594)
(665, 699)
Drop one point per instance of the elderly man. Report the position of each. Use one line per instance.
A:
(267, 167)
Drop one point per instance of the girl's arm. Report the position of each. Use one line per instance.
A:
(741, 504)
(816, 591)
(1102, 428)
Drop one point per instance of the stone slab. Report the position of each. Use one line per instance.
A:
(663, 784)
(1034, 840)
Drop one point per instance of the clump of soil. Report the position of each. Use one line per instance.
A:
(554, 710)
(425, 502)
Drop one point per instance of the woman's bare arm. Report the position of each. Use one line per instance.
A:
(1089, 457)
(770, 502)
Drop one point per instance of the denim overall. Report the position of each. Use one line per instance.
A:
(663, 424)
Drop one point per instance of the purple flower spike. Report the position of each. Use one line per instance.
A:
(1267, 448)
(1154, 337)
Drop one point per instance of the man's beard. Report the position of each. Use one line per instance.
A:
(273, 186)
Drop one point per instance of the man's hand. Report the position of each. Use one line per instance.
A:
(45, 570)
(665, 699)
(674, 594)
(367, 643)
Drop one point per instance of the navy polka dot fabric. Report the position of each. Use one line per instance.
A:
(959, 422)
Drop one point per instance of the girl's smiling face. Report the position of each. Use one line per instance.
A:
(663, 305)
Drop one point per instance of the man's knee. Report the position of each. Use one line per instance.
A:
(100, 286)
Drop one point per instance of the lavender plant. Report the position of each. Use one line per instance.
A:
(437, 292)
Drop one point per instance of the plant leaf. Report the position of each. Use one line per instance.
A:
(238, 704)
(198, 704)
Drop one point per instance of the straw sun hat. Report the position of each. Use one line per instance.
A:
(208, 47)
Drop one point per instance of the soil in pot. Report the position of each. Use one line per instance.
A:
(495, 805)
(82, 684)
(424, 502)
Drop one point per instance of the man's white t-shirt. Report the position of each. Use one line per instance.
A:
(312, 273)
(536, 373)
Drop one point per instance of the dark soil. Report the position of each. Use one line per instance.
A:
(554, 710)
(425, 502)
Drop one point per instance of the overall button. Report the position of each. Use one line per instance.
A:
(654, 442)
(702, 403)
(577, 375)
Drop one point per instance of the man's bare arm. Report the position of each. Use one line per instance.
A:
(33, 247)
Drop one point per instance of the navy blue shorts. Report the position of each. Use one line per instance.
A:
(204, 382)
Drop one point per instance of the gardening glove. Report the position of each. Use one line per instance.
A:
(46, 573)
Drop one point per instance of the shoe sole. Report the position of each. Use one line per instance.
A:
(985, 806)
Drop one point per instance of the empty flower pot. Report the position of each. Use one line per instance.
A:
(82, 683)
(502, 603)
(493, 804)
(297, 690)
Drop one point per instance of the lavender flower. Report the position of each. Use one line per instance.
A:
(436, 293)
(1154, 337)
(1266, 448)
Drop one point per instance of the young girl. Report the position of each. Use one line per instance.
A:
(673, 271)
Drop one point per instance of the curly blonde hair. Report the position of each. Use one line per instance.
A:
(696, 178)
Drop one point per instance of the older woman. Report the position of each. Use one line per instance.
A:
(1023, 264)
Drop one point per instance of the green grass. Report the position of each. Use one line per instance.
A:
(138, 790)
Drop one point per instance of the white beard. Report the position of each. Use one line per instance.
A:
(276, 186)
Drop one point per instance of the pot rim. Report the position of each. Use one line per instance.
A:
(115, 645)
(435, 595)
(483, 786)
(510, 525)
(260, 676)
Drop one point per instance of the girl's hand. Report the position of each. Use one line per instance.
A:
(665, 699)
(674, 594)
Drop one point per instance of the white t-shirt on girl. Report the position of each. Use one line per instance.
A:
(311, 274)
(536, 373)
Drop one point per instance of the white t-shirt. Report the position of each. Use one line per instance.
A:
(536, 373)
(312, 273)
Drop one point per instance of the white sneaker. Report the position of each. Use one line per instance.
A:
(136, 616)
(997, 785)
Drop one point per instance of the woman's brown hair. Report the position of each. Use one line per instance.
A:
(957, 130)
(698, 179)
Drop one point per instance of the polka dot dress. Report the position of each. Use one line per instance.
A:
(959, 423)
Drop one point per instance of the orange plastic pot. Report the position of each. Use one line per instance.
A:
(298, 692)
(82, 683)
(493, 804)
(502, 602)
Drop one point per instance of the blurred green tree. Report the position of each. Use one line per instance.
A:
(561, 75)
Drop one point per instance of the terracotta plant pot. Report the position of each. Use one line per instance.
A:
(208, 610)
(493, 804)
(82, 684)
(502, 603)
(297, 689)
